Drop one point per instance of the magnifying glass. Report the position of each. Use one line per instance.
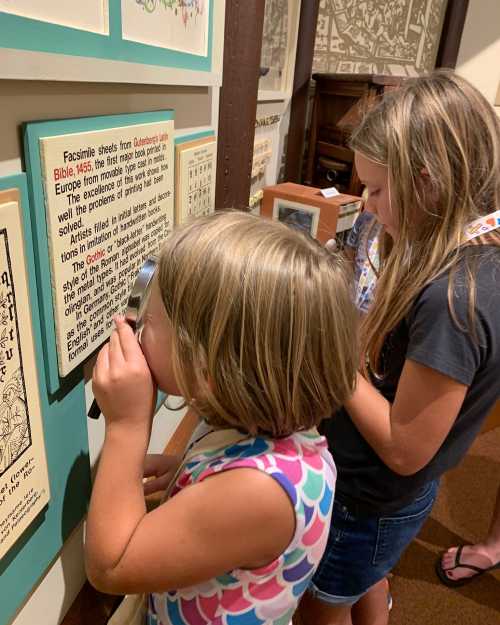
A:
(136, 307)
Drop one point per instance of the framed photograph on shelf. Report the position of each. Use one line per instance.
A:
(297, 215)
(306, 209)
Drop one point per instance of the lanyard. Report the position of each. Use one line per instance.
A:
(482, 225)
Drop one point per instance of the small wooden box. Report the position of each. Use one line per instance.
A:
(305, 208)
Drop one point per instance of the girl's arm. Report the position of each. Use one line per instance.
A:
(194, 536)
(407, 434)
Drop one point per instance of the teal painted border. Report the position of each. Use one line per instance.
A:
(33, 132)
(23, 33)
(194, 137)
(66, 443)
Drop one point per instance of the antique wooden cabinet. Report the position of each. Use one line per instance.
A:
(340, 101)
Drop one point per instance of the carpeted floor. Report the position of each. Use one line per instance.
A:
(461, 515)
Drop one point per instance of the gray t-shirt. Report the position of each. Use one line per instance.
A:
(429, 336)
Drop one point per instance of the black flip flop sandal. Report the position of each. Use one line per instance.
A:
(455, 583)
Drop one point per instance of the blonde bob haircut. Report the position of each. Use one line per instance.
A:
(263, 323)
(440, 140)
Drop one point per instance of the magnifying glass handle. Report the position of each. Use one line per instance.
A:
(95, 411)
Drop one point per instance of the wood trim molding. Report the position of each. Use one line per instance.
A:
(238, 102)
(91, 607)
(451, 35)
(180, 438)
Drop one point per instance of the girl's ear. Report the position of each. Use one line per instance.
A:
(210, 383)
(427, 187)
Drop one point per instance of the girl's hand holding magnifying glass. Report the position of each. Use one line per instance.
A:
(122, 382)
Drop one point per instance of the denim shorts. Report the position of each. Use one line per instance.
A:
(362, 551)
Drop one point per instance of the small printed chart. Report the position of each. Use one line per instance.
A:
(195, 178)
(24, 485)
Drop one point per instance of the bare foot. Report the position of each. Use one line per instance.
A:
(475, 555)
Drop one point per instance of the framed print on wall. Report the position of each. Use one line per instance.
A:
(167, 24)
(109, 41)
(91, 15)
(279, 40)
(24, 485)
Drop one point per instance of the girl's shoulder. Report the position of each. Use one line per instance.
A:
(454, 325)
(477, 269)
(296, 462)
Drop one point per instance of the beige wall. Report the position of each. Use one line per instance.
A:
(22, 101)
(479, 54)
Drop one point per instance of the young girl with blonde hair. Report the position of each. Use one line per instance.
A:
(429, 155)
(252, 323)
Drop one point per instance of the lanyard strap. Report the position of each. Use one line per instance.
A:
(482, 225)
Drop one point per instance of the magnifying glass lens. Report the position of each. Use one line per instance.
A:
(139, 294)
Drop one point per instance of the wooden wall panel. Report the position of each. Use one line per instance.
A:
(238, 102)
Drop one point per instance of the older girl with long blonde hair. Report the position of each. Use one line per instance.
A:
(429, 156)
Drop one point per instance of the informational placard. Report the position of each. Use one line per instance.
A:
(108, 204)
(195, 178)
(169, 24)
(91, 15)
(24, 485)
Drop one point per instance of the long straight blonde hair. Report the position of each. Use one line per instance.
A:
(440, 140)
(263, 322)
